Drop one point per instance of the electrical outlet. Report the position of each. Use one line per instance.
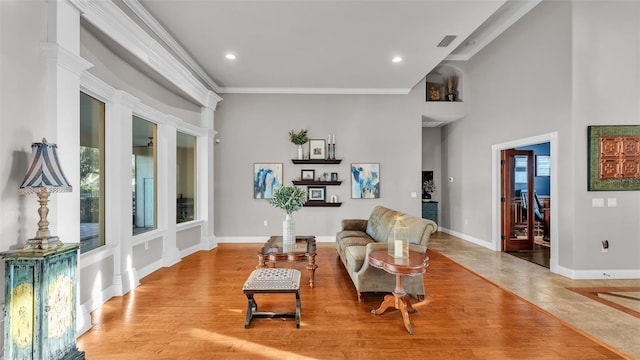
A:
(414, 194)
(266, 223)
(146, 245)
(605, 246)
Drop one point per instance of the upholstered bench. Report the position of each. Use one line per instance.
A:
(271, 281)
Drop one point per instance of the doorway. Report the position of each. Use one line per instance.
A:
(525, 220)
(496, 184)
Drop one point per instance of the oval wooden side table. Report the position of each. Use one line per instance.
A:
(415, 265)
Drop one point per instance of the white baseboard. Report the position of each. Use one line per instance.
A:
(468, 238)
(566, 272)
(599, 274)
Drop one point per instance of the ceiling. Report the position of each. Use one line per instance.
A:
(322, 46)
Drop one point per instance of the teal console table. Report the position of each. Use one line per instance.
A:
(430, 210)
(40, 303)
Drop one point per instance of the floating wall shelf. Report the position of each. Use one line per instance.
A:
(316, 183)
(321, 204)
(317, 161)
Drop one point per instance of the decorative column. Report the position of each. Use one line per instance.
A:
(119, 139)
(206, 152)
(167, 145)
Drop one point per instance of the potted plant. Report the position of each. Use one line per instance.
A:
(428, 186)
(299, 138)
(290, 199)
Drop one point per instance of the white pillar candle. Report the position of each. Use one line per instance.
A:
(397, 248)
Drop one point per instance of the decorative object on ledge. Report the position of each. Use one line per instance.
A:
(317, 161)
(614, 157)
(40, 294)
(267, 179)
(435, 91)
(331, 147)
(317, 149)
(334, 176)
(365, 181)
(43, 177)
(452, 87)
(299, 138)
(307, 174)
(290, 199)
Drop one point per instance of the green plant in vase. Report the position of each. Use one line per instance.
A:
(299, 138)
(290, 199)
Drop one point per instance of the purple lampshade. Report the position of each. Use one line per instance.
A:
(44, 172)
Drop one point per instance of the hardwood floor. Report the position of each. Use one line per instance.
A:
(195, 310)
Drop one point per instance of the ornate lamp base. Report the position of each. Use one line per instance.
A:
(44, 243)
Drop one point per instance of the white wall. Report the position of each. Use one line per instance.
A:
(383, 129)
(606, 91)
(553, 71)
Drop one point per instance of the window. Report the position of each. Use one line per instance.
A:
(92, 221)
(143, 173)
(185, 177)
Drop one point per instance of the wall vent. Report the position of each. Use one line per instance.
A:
(446, 40)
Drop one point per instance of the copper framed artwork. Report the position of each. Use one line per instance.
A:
(614, 157)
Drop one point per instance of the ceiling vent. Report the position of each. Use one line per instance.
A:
(447, 40)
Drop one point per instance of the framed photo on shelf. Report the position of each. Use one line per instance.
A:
(307, 174)
(435, 92)
(317, 149)
(267, 178)
(316, 193)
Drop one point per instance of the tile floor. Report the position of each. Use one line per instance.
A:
(549, 292)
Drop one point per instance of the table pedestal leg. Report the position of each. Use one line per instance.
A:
(399, 300)
(311, 266)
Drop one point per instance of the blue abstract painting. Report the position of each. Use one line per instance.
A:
(365, 181)
(267, 178)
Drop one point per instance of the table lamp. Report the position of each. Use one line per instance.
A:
(43, 177)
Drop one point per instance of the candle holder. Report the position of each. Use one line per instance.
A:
(398, 241)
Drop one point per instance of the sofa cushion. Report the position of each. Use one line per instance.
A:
(355, 257)
(380, 223)
(351, 233)
(347, 242)
(417, 227)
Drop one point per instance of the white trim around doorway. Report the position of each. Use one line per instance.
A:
(552, 139)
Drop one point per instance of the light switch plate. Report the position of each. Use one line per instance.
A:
(612, 202)
(597, 202)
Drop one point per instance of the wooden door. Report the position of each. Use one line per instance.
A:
(517, 218)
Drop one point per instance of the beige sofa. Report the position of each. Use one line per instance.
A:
(359, 237)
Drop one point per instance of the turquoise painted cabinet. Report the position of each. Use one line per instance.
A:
(40, 303)
(430, 210)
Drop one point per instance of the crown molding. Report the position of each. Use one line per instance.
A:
(507, 15)
(159, 30)
(315, 91)
(113, 22)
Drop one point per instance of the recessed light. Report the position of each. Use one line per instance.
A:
(230, 56)
(396, 59)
